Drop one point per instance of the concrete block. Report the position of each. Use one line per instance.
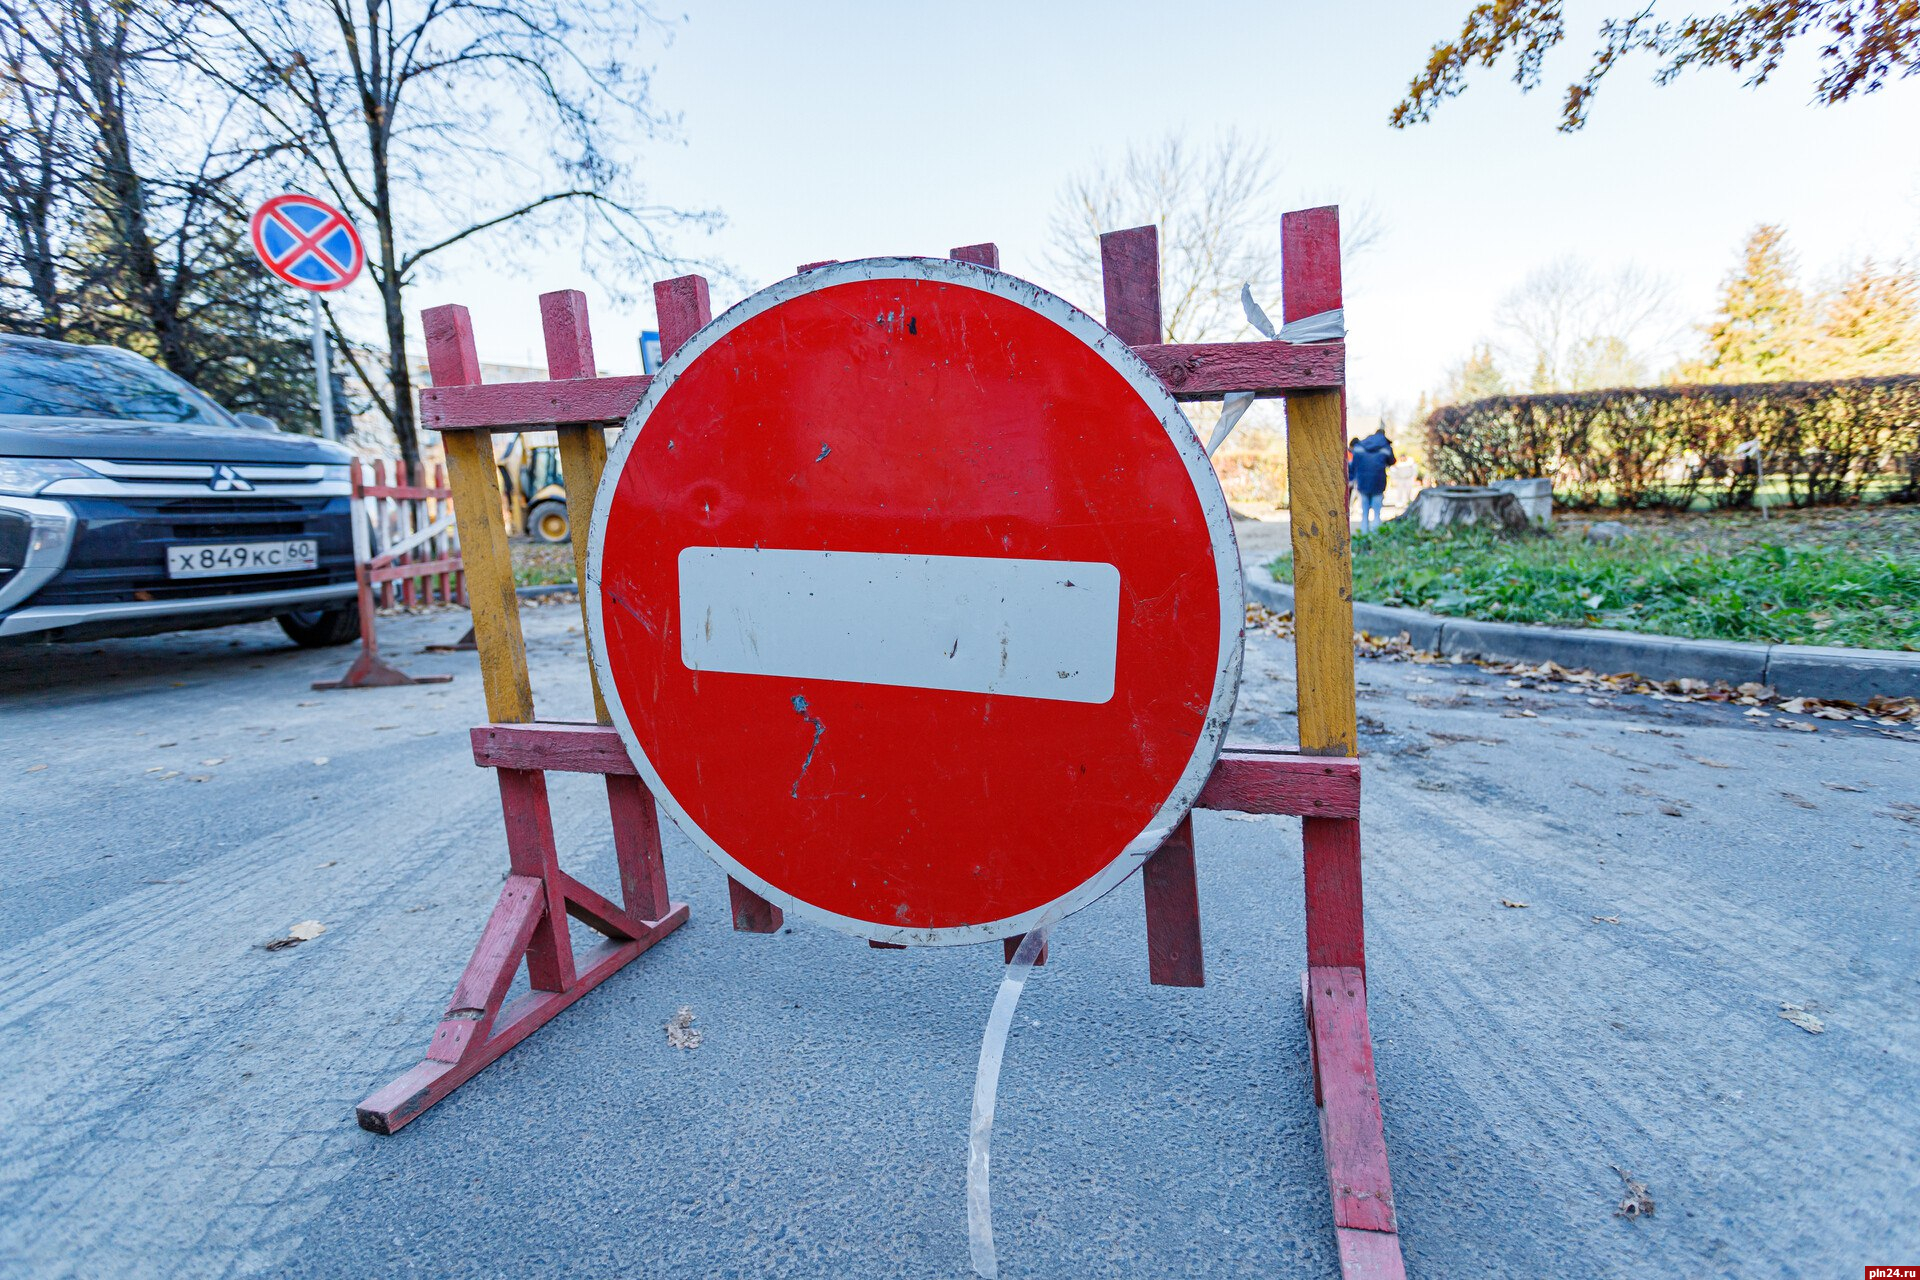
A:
(1851, 675)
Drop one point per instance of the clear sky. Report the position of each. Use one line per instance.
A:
(841, 130)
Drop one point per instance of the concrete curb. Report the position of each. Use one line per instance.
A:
(1794, 670)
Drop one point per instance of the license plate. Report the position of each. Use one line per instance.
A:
(221, 559)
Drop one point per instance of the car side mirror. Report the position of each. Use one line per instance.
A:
(256, 421)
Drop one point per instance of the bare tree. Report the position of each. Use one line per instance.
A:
(1865, 43)
(1570, 327)
(432, 121)
(1218, 209)
(37, 153)
(126, 208)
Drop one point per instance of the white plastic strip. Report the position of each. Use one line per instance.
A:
(1324, 326)
(1232, 409)
(986, 1087)
(973, 624)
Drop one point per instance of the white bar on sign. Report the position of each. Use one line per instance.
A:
(972, 624)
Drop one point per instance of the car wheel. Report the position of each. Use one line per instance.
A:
(548, 522)
(322, 628)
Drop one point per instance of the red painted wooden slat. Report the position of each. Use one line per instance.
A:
(1351, 1130)
(531, 852)
(1130, 274)
(1307, 786)
(1254, 779)
(751, 912)
(1369, 1255)
(1208, 370)
(683, 307)
(1336, 930)
(495, 959)
(452, 359)
(587, 905)
(981, 255)
(553, 746)
(1174, 954)
(1310, 262)
(569, 338)
(636, 846)
(516, 405)
(410, 569)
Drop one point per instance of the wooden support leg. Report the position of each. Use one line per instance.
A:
(1174, 956)
(751, 912)
(1352, 1134)
(636, 844)
(529, 922)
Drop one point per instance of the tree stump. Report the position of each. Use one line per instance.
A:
(1466, 504)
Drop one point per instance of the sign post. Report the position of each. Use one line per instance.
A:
(310, 245)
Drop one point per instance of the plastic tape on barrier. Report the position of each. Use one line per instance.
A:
(986, 1085)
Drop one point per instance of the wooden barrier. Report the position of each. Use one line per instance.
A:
(406, 551)
(1318, 781)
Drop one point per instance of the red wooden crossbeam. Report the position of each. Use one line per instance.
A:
(1192, 371)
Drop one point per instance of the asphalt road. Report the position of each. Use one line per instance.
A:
(178, 1101)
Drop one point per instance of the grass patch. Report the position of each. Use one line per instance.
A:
(541, 564)
(1851, 579)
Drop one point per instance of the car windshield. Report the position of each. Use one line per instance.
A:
(74, 382)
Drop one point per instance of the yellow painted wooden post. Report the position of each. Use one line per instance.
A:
(583, 448)
(484, 553)
(1317, 498)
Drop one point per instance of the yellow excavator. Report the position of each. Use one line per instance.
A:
(534, 493)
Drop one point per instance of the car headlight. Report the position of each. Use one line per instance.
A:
(340, 471)
(24, 477)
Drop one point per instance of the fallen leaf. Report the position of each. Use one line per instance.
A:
(320, 759)
(1710, 763)
(1799, 1017)
(166, 744)
(681, 1033)
(211, 761)
(200, 777)
(331, 862)
(1841, 786)
(1636, 1203)
(306, 704)
(305, 931)
(379, 727)
(169, 773)
(1793, 724)
(1672, 811)
(1802, 801)
(1758, 711)
(1794, 706)
(1606, 919)
(1509, 902)
(35, 768)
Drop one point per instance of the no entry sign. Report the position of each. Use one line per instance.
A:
(916, 600)
(307, 243)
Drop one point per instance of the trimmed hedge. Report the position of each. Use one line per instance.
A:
(1827, 442)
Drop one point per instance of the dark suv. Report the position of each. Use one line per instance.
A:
(130, 503)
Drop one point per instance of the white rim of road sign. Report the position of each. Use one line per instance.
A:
(1206, 485)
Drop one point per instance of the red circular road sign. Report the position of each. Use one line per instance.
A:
(916, 600)
(307, 243)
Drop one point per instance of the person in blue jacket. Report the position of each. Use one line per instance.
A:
(1368, 472)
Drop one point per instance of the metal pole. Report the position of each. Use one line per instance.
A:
(322, 374)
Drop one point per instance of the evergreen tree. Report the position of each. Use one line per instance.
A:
(1761, 332)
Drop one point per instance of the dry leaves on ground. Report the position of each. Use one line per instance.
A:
(1637, 1202)
(1800, 1017)
(1761, 701)
(1509, 902)
(681, 1033)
